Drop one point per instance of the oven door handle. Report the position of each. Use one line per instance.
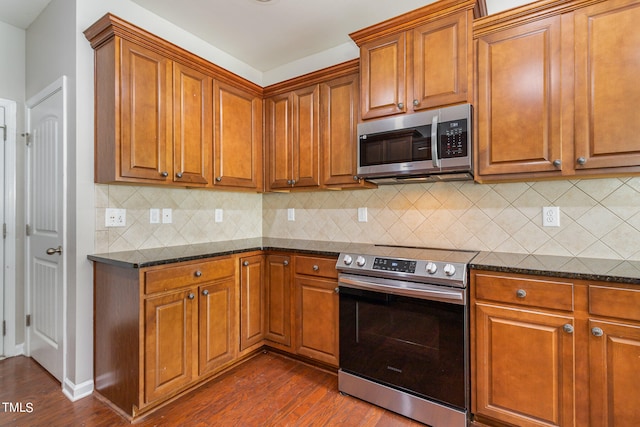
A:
(454, 296)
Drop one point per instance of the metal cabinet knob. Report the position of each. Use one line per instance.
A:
(416, 102)
(401, 105)
(218, 178)
(597, 332)
(205, 292)
(285, 262)
(289, 182)
(568, 328)
(198, 273)
(164, 174)
(581, 161)
(57, 250)
(246, 263)
(336, 290)
(557, 163)
(356, 178)
(521, 293)
(191, 296)
(293, 182)
(179, 175)
(316, 268)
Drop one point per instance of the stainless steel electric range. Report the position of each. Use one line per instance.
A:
(404, 328)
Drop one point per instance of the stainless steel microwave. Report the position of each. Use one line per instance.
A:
(431, 145)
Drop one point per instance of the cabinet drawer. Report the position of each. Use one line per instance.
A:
(321, 267)
(614, 302)
(524, 291)
(186, 275)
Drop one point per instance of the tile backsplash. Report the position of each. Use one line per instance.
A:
(598, 217)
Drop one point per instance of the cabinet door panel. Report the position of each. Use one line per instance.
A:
(251, 301)
(192, 125)
(607, 89)
(280, 141)
(339, 103)
(519, 101)
(524, 367)
(278, 299)
(382, 76)
(614, 369)
(238, 138)
(146, 113)
(306, 141)
(169, 342)
(317, 319)
(218, 325)
(440, 59)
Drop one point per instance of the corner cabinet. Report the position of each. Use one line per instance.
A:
(416, 61)
(310, 131)
(154, 114)
(549, 351)
(556, 91)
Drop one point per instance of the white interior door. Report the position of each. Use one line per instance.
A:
(46, 218)
(3, 140)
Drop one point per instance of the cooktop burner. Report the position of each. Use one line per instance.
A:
(446, 267)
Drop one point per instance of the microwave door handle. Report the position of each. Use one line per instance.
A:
(435, 158)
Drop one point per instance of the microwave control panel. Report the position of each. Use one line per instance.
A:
(453, 139)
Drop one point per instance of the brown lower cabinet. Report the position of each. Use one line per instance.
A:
(554, 352)
(161, 331)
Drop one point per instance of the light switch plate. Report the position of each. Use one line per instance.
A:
(154, 216)
(218, 215)
(115, 217)
(167, 216)
(551, 216)
(291, 214)
(362, 215)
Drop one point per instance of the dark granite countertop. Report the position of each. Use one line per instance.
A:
(608, 270)
(596, 269)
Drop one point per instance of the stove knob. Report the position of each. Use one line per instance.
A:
(449, 270)
(347, 260)
(360, 261)
(431, 267)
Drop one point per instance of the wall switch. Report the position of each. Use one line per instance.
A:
(167, 216)
(291, 214)
(154, 216)
(551, 216)
(218, 215)
(115, 217)
(362, 215)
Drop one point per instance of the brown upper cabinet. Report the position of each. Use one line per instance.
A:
(310, 130)
(419, 60)
(556, 91)
(154, 114)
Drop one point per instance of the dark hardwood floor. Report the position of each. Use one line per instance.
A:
(268, 390)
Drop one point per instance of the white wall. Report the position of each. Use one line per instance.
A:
(12, 86)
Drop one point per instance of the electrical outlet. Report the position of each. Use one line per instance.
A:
(167, 216)
(551, 216)
(154, 216)
(291, 214)
(115, 217)
(218, 215)
(362, 215)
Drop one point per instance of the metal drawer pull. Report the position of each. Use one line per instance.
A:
(205, 292)
(198, 273)
(246, 263)
(191, 296)
(285, 262)
(568, 328)
(316, 268)
(164, 174)
(521, 293)
(597, 332)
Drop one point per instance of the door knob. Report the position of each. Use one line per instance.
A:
(57, 250)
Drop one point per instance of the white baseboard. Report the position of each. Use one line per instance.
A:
(75, 392)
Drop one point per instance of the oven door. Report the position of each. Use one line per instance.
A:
(406, 336)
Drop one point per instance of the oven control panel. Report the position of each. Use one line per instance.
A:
(426, 271)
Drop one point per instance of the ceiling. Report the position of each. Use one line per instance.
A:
(264, 35)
